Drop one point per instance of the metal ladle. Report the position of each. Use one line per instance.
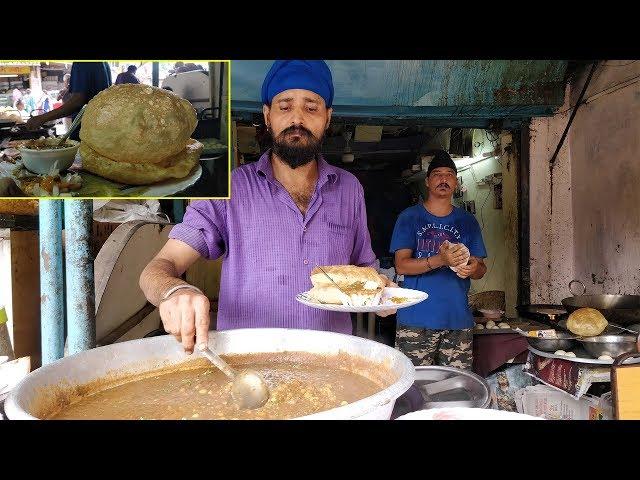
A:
(74, 125)
(248, 388)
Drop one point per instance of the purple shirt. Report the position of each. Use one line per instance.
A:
(269, 248)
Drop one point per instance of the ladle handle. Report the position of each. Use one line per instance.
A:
(622, 328)
(584, 289)
(217, 361)
(73, 126)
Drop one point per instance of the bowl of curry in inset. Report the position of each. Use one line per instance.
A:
(42, 156)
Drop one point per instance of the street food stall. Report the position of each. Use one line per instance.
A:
(541, 349)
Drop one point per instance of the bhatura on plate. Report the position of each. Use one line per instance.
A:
(138, 134)
(358, 286)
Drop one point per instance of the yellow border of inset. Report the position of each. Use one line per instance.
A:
(229, 146)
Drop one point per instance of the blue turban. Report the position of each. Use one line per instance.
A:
(313, 75)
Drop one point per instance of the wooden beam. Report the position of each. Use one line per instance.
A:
(510, 204)
(25, 295)
(236, 160)
(127, 325)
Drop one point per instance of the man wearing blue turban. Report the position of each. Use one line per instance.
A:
(297, 96)
(288, 211)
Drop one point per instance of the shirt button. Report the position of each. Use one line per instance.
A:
(304, 229)
(306, 262)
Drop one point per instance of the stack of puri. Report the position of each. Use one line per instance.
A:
(358, 286)
(137, 134)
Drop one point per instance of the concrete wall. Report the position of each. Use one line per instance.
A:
(550, 212)
(605, 162)
(491, 222)
(584, 215)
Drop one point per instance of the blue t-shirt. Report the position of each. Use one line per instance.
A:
(90, 78)
(447, 306)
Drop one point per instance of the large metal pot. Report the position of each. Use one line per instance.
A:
(146, 354)
(621, 309)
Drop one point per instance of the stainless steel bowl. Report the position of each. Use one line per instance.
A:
(564, 341)
(443, 386)
(612, 345)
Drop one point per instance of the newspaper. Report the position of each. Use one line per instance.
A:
(550, 403)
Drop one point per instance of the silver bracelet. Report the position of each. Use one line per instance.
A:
(180, 287)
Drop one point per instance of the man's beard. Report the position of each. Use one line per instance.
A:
(298, 153)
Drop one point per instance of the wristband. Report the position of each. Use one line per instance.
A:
(180, 287)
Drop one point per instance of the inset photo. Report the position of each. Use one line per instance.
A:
(109, 129)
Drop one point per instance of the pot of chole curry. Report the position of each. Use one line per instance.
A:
(311, 374)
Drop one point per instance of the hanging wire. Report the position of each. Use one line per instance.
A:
(620, 64)
(486, 275)
(612, 88)
(482, 208)
(492, 140)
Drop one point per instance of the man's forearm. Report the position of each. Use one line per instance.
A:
(479, 273)
(157, 278)
(418, 266)
(71, 106)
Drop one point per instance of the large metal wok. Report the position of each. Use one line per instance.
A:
(138, 356)
(621, 309)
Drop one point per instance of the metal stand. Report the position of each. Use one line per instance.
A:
(51, 281)
(78, 215)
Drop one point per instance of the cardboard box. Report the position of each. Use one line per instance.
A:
(247, 142)
(368, 133)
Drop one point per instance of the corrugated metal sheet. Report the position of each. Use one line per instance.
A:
(430, 89)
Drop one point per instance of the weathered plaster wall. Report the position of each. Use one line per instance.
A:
(605, 163)
(585, 218)
(551, 226)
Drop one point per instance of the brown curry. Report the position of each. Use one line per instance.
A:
(44, 145)
(300, 383)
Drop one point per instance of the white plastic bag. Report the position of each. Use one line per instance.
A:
(120, 211)
(467, 255)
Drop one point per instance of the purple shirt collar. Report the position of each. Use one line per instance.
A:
(326, 171)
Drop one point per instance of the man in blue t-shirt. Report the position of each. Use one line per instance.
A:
(428, 238)
(128, 77)
(87, 80)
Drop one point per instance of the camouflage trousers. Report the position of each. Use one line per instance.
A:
(436, 347)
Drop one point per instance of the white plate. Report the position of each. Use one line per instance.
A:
(459, 413)
(581, 357)
(171, 187)
(160, 189)
(414, 296)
